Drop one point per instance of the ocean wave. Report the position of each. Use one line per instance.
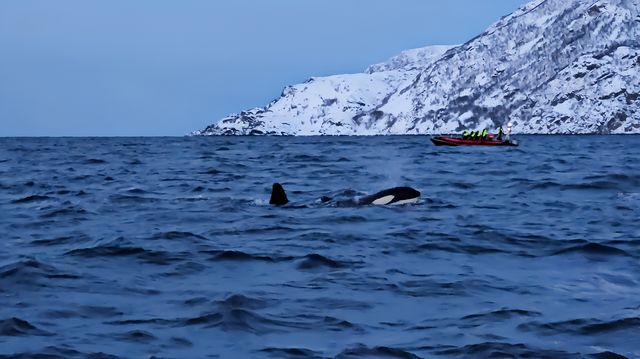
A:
(62, 240)
(240, 313)
(505, 350)
(363, 351)
(459, 248)
(135, 336)
(212, 171)
(131, 199)
(593, 248)
(58, 352)
(592, 185)
(293, 353)
(241, 320)
(16, 327)
(501, 314)
(69, 210)
(31, 199)
(94, 161)
(122, 248)
(252, 230)
(316, 261)
(621, 179)
(241, 301)
(177, 236)
(32, 272)
(234, 255)
(586, 327)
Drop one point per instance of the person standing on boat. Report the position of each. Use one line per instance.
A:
(500, 133)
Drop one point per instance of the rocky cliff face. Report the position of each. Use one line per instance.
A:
(553, 66)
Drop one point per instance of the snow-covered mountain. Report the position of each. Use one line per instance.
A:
(553, 66)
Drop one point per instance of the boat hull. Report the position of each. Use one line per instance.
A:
(456, 141)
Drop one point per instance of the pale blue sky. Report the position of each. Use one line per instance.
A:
(167, 67)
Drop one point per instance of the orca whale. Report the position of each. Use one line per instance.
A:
(390, 196)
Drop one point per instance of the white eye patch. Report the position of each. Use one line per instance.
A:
(383, 200)
(406, 201)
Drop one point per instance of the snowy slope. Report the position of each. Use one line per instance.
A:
(333, 104)
(553, 66)
(323, 105)
(414, 59)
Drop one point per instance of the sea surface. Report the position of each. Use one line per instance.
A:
(168, 248)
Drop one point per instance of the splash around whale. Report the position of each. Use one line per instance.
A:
(390, 196)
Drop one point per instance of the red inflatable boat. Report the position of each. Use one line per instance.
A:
(459, 141)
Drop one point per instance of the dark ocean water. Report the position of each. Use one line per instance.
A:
(167, 247)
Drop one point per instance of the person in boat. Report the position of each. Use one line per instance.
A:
(484, 134)
(465, 135)
(500, 133)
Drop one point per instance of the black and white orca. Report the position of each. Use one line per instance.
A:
(391, 196)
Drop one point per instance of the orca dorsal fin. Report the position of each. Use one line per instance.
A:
(278, 196)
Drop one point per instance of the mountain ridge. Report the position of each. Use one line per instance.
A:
(552, 66)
